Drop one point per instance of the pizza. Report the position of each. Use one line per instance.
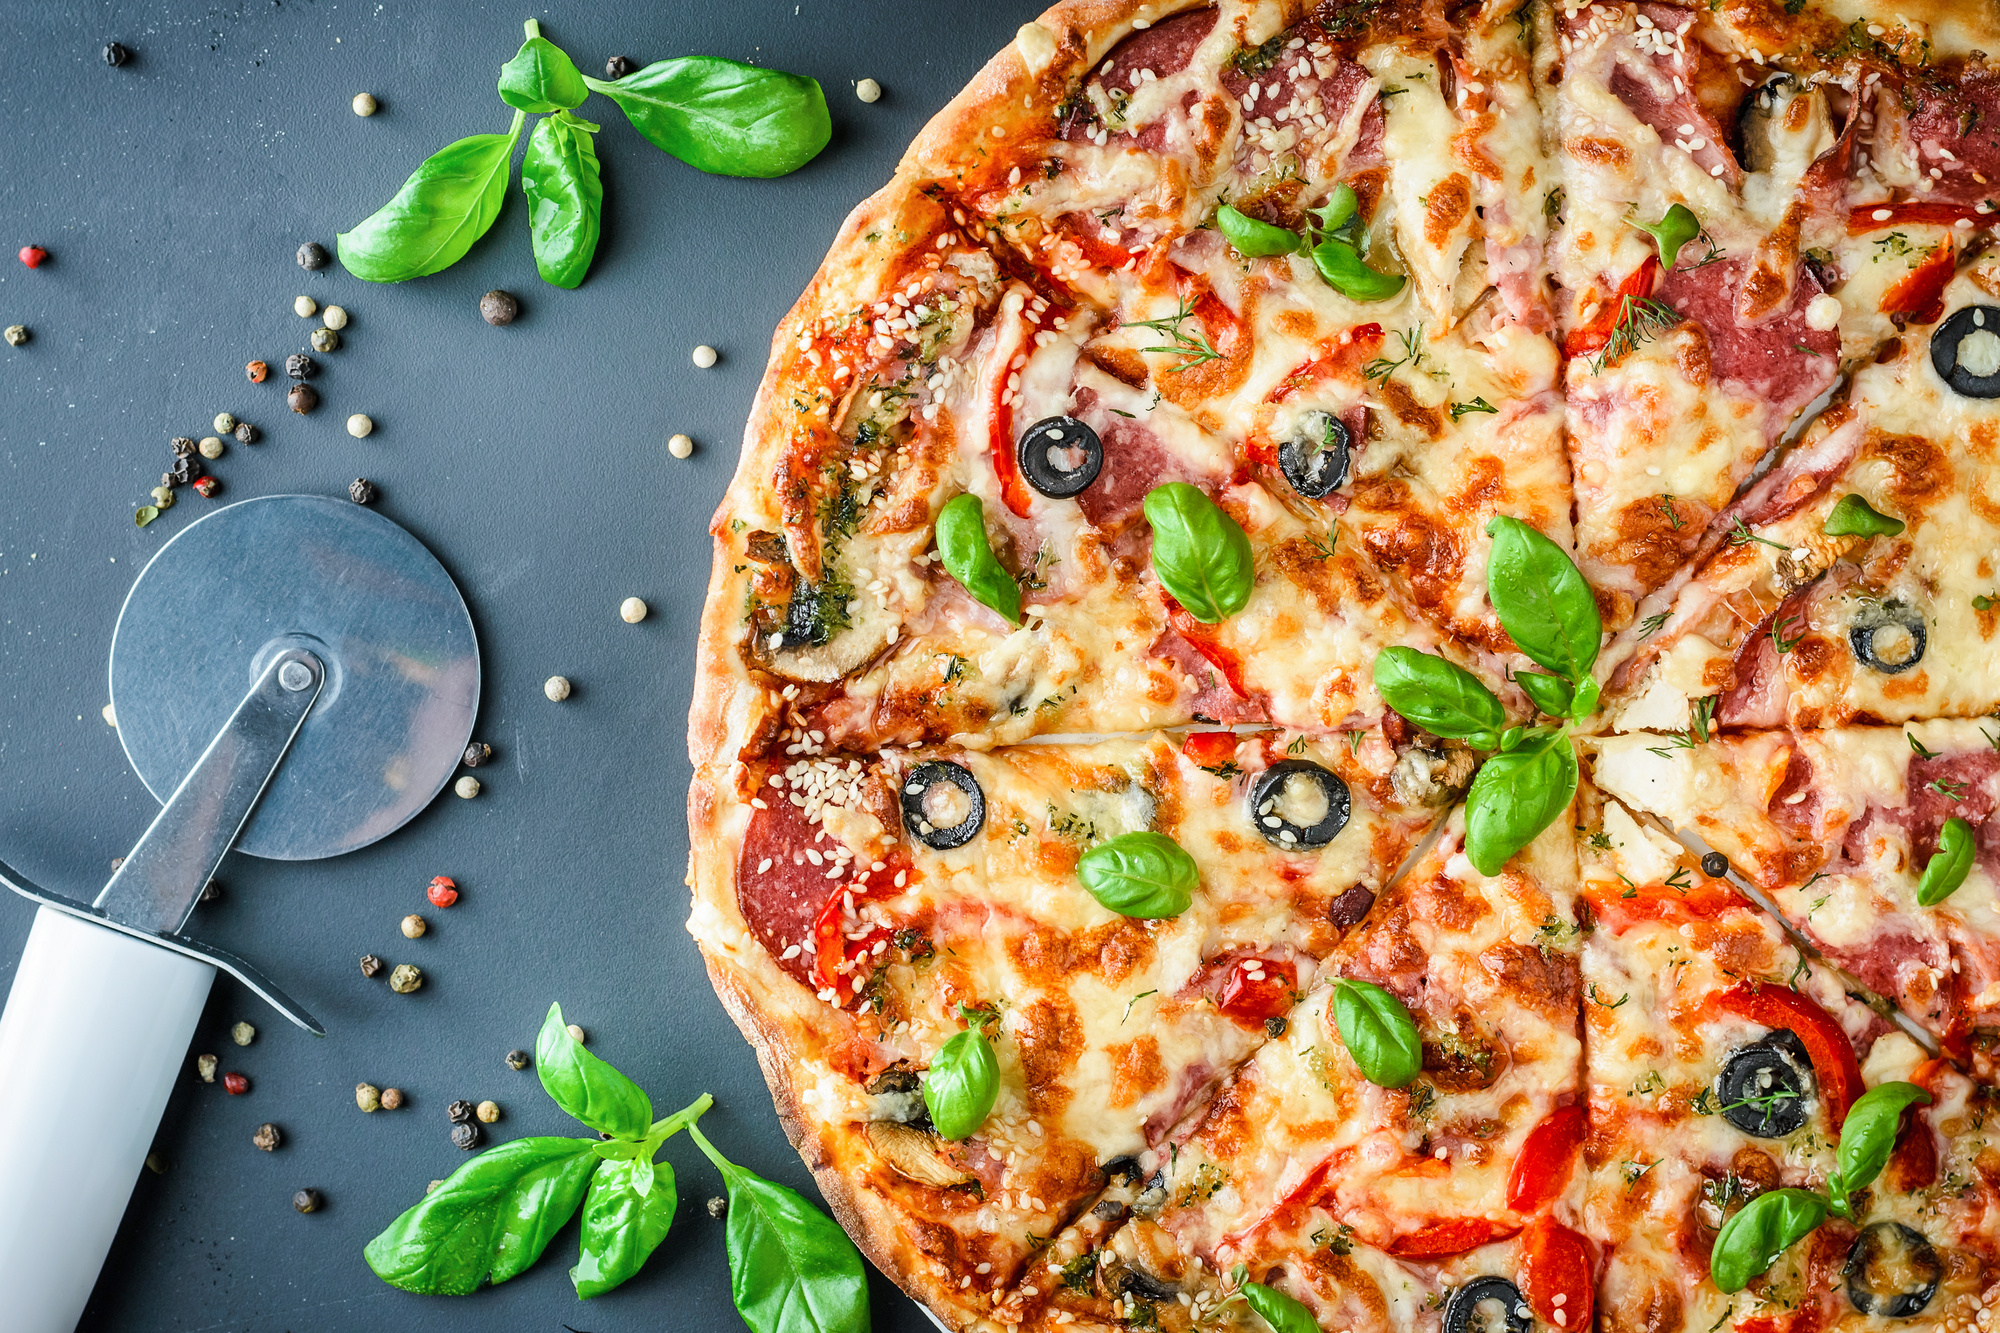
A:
(1349, 676)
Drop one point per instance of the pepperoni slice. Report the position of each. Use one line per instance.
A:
(1548, 1155)
(779, 892)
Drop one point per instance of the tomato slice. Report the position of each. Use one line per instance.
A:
(1257, 989)
(1619, 912)
(1453, 1236)
(1593, 335)
(1547, 1157)
(1210, 749)
(1826, 1043)
(1222, 659)
(831, 947)
(1556, 1275)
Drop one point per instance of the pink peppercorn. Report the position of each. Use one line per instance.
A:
(33, 255)
(235, 1084)
(442, 892)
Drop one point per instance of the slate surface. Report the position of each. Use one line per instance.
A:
(171, 194)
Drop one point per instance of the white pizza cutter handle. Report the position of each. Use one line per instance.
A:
(103, 1005)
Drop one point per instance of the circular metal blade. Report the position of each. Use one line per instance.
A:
(242, 584)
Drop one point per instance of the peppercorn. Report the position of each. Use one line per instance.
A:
(156, 1164)
(181, 445)
(680, 446)
(17, 335)
(557, 688)
(413, 926)
(498, 308)
(267, 1137)
(324, 340)
(487, 1111)
(392, 1099)
(465, 1136)
(517, 1060)
(206, 487)
(243, 1034)
(433, 1185)
(115, 54)
(618, 67)
(443, 892)
(33, 256)
(312, 255)
(1715, 865)
(210, 891)
(370, 964)
(362, 491)
(1275, 1025)
(367, 1096)
(406, 978)
(360, 425)
(631, 610)
(704, 356)
(163, 494)
(577, 1033)
(224, 423)
(476, 754)
(308, 1201)
(185, 469)
(458, 1112)
(868, 90)
(466, 787)
(258, 371)
(304, 307)
(718, 1206)
(302, 399)
(210, 447)
(245, 433)
(364, 104)
(334, 317)
(235, 1084)
(204, 1065)
(300, 366)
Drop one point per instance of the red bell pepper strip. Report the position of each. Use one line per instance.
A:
(1556, 1266)
(1826, 1043)
(1547, 1157)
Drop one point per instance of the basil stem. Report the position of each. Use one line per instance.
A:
(1280, 1311)
(1751, 1241)
(585, 1086)
(1542, 599)
(447, 203)
(1200, 554)
(1379, 1033)
(791, 1269)
(723, 117)
(1855, 517)
(1253, 238)
(565, 194)
(1671, 232)
(1515, 796)
(1441, 697)
(968, 557)
(962, 1082)
(541, 76)
(1341, 264)
(1866, 1138)
(1145, 875)
(1949, 864)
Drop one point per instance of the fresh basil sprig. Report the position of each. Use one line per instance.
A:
(565, 194)
(1675, 229)
(968, 557)
(1751, 1241)
(1281, 1312)
(1855, 517)
(1254, 238)
(1441, 697)
(588, 1088)
(724, 117)
(1201, 555)
(1379, 1033)
(1144, 874)
(1866, 1138)
(1949, 864)
(541, 77)
(445, 205)
(1335, 245)
(963, 1080)
(1516, 795)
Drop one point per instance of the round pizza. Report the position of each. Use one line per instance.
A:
(1346, 681)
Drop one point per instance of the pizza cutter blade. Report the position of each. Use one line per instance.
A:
(293, 676)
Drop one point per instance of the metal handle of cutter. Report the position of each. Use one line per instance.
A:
(98, 1021)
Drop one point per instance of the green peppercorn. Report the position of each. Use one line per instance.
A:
(406, 978)
(325, 340)
(17, 335)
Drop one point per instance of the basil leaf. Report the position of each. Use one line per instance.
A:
(1441, 697)
(1280, 1311)
(445, 205)
(630, 1208)
(961, 1084)
(1551, 694)
(1515, 797)
(1379, 1033)
(791, 1270)
(1585, 702)
(1254, 238)
(968, 557)
(1339, 208)
(722, 117)
(1201, 555)
(565, 197)
(1347, 273)
(1146, 875)
(541, 76)
(1867, 1137)
(488, 1221)
(1855, 517)
(1671, 232)
(585, 1086)
(1750, 1242)
(1542, 599)
(1949, 864)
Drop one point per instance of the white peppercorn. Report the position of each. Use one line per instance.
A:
(868, 90)
(488, 1112)
(577, 1033)
(680, 446)
(305, 307)
(334, 317)
(365, 104)
(704, 356)
(243, 1034)
(360, 425)
(414, 926)
(224, 423)
(17, 335)
(557, 688)
(466, 787)
(205, 1066)
(210, 447)
(632, 610)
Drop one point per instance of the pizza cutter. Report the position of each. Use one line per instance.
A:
(292, 676)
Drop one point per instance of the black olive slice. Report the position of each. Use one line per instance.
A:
(1948, 343)
(1764, 1089)
(1461, 1308)
(920, 796)
(1138, 1281)
(1280, 784)
(1315, 459)
(1892, 1270)
(1060, 457)
(1121, 1170)
(1898, 629)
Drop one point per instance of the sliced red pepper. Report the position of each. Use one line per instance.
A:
(1453, 1236)
(1257, 989)
(1826, 1043)
(1593, 335)
(1201, 636)
(1920, 292)
(1101, 253)
(1913, 1163)
(1915, 212)
(1210, 749)
(1556, 1272)
(1632, 904)
(831, 947)
(1224, 329)
(1548, 1155)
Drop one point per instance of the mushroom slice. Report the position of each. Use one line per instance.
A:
(914, 1155)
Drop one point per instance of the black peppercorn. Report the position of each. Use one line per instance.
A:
(312, 255)
(267, 1137)
(246, 433)
(211, 891)
(300, 366)
(302, 399)
(308, 1201)
(718, 1206)
(498, 307)
(1275, 1025)
(618, 67)
(185, 470)
(181, 445)
(370, 964)
(1715, 865)
(361, 491)
(466, 1136)
(459, 1112)
(517, 1060)
(115, 54)
(476, 754)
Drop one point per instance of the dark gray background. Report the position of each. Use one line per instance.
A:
(171, 194)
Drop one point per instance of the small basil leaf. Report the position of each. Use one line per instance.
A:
(630, 1208)
(1855, 517)
(1441, 697)
(791, 1270)
(1671, 232)
(1280, 1311)
(1254, 238)
(1949, 864)
(445, 205)
(961, 1084)
(1379, 1033)
(585, 1086)
(565, 193)
(1347, 273)
(968, 557)
(1200, 554)
(1339, 208)
(541, 76)
(488, 1221)
(1145, 874)
(1751, 1241)
(1515, 797)
(1868, 1135)
(1551, 694)
(1542, 599)
(723, 117)
(1585, 702)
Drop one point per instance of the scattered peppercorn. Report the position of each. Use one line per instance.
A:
(362, 491)
(258, 371)
(181, 445)
(146, 514)
(302, 399)
(206, 487)
(17, 335)
(211, 891)
(365, 104)
(300, 366)
(476, 754)
(680, 446)
(868, 90)
(210, 446)
(243, 1034)
(1275, 1025)
(392, 1099)
(459, 1111)
(406, 978)
(443, 892)
(224, 423)
(304, 307)
(704, 356)
(324, 340)
(204, 1065)
(34, 256)
(413, 926)
(557, 688)
(631, 610)
(577, 1033)
(163, 496)
(498, 308)
(115, 54)
(487, 1111)
(368, 1097)
(308, 1201)
(185, 469)
(360, 426)
(517, 1060)
(245, 433)
(156, 1164)
(466, 1136)
(370, 964)
(618, 67)
(312, 255)
(235, 1084)
(718, 1206)
(466, 787)
(1715, 865)
(267, 1137)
